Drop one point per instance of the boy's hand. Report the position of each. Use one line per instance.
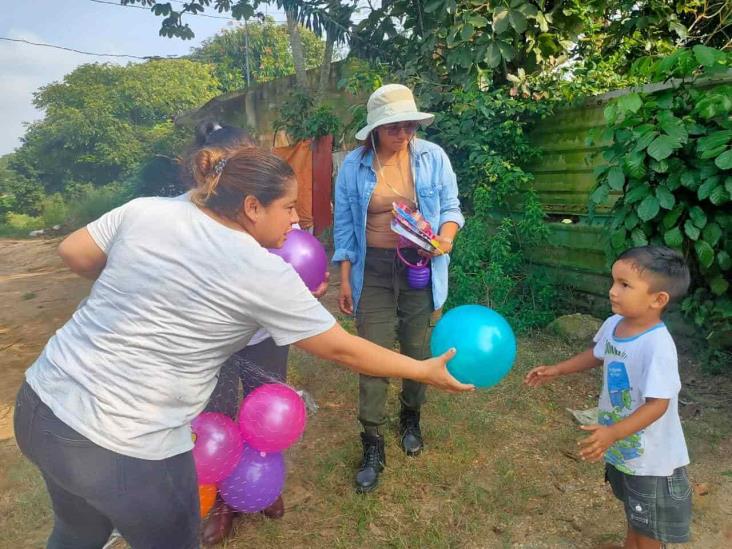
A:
(541, 375)
(595, 445)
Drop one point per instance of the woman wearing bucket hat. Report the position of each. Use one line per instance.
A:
(392, 166)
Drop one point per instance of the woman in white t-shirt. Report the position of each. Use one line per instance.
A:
(179, 286)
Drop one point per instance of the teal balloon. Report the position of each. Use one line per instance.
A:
(485, 343)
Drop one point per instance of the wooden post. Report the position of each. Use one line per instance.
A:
(322, 183)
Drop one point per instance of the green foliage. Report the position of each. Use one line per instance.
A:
(97, 201)
(270, 56)
(102, 121)
(18, 193)
(670, 163)
(54, 211)
(302, 118)
(82, 204)
(461, 41)
(658, 27)
(486, 138)
(16, 225)
(361, 79)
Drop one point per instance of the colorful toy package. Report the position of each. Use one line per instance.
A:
(411, 225)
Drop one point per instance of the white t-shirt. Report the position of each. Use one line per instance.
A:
(261, 334)
(636, 368)
(179, 294)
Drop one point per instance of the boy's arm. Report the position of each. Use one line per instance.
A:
(578, 363)
(604, 436)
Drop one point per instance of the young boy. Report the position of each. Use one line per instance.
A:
(639, 431)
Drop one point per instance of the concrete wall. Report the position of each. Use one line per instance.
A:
(258, 107)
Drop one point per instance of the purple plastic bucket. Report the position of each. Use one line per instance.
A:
(418, 277)
(418, 274)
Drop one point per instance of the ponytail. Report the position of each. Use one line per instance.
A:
(205, 174)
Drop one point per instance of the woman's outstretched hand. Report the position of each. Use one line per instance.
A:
(323, 288)
(436, 374)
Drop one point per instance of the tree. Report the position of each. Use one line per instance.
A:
(321, 16)
(17, 193)
(103, 120)
(456, 42)
(268, 51)
(336, 26)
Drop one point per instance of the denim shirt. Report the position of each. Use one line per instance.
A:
(437, 197)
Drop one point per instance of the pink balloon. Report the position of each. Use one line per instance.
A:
(272, 417)
(217, 446)
(306, 254)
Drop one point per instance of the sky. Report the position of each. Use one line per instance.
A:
(82, 25)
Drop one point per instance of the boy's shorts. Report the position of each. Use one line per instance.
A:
(656, 507)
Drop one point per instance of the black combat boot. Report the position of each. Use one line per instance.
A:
(374, 461)
(411, 435)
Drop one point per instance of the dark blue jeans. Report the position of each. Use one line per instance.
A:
(154, 504)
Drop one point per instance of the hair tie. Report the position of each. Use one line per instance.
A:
(219, 166)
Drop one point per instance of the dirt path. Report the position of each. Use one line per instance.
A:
(37, 294)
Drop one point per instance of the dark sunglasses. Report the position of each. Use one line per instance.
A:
(394, 129)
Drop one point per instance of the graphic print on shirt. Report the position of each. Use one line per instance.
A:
(618, 386)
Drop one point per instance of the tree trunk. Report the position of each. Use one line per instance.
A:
(325, 66)
(298, 57)
(248, 72)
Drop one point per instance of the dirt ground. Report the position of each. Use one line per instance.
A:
(500, 471)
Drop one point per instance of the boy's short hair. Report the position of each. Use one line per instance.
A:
(664, 266)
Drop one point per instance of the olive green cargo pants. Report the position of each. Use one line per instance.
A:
(389, 310)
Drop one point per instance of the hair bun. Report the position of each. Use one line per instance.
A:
(205, 162)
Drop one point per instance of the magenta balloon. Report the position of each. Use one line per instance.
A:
(217, 447)
(307, 256)
(256, 481)
(272, 417)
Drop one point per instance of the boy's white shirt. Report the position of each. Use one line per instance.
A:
(636, 368)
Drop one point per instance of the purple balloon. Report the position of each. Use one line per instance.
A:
(307, 256)
(217, 446)
(272, 417)
(256, 482)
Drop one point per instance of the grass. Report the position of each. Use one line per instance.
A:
(496, 472)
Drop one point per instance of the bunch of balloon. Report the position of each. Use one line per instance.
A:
(271, 418)
(217, 449)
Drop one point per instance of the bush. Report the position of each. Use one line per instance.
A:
(21, 195)
(96, 202)
(485, 134)
(670, 161)
(18, 225)
(54, 211)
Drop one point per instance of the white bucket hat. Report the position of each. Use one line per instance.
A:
(389, 104)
